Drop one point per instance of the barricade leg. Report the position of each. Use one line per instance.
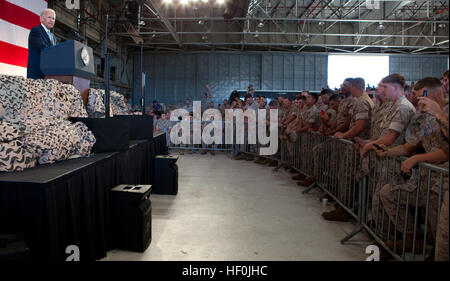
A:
(360, 227)
(442, 248)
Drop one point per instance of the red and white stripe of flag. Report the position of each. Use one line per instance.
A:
(17, 17)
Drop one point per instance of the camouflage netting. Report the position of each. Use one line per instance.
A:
(96, 105)
(35, 127)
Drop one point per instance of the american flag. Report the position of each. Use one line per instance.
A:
(17, 17)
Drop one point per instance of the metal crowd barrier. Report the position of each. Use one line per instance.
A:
(405, 212)
(166, 126)
(253, 149)
(401, 215)
(334, 164)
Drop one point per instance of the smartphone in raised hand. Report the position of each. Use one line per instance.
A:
(425, 94)
(378, 147)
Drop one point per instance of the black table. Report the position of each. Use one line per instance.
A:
(67, 203)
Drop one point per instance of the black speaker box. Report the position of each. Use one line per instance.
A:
(131, 217)
(13, 248)
(165, 175)
(141, 126)
(111, 134)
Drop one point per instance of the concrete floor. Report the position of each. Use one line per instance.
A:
(238, 210)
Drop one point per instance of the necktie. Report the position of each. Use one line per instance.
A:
(51, 38)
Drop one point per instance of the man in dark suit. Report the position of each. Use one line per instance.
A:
(40, 37)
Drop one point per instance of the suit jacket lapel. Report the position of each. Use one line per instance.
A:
(45, 35)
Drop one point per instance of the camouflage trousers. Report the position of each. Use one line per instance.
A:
(323, 158)
(349, 161)
(292, 148)
(379, 172)
(281, 144)
(441, 252)
(399, 201)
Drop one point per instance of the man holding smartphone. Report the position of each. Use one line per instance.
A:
(423, 131)
(396, 116)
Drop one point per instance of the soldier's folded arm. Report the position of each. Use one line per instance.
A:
(344, 126)
(405, 149)
(357, 129)
(434, 157)
(389, 138)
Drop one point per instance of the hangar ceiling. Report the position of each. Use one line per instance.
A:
(349, 26)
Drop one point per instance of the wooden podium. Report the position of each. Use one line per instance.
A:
(70, 62)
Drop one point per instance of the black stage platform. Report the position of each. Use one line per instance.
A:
(67, 203)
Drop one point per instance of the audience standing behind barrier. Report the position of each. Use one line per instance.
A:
(433, 108)
(392, 122)
(396, 120)
(423, 131)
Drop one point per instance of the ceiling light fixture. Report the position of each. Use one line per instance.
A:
(261, 24)
(381, 26)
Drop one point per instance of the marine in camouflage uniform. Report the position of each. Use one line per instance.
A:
(342, 115)
(401, 194)
(310, 116)
(397, 118)
(362, 110)
(283, 112)
(442, 249)
(441, 252)
(291, 138)
(318, 141)
(379, 114)
(345, 109)
(394, 116)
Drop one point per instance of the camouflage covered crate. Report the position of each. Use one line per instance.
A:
(34, 125)
(96, 105)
